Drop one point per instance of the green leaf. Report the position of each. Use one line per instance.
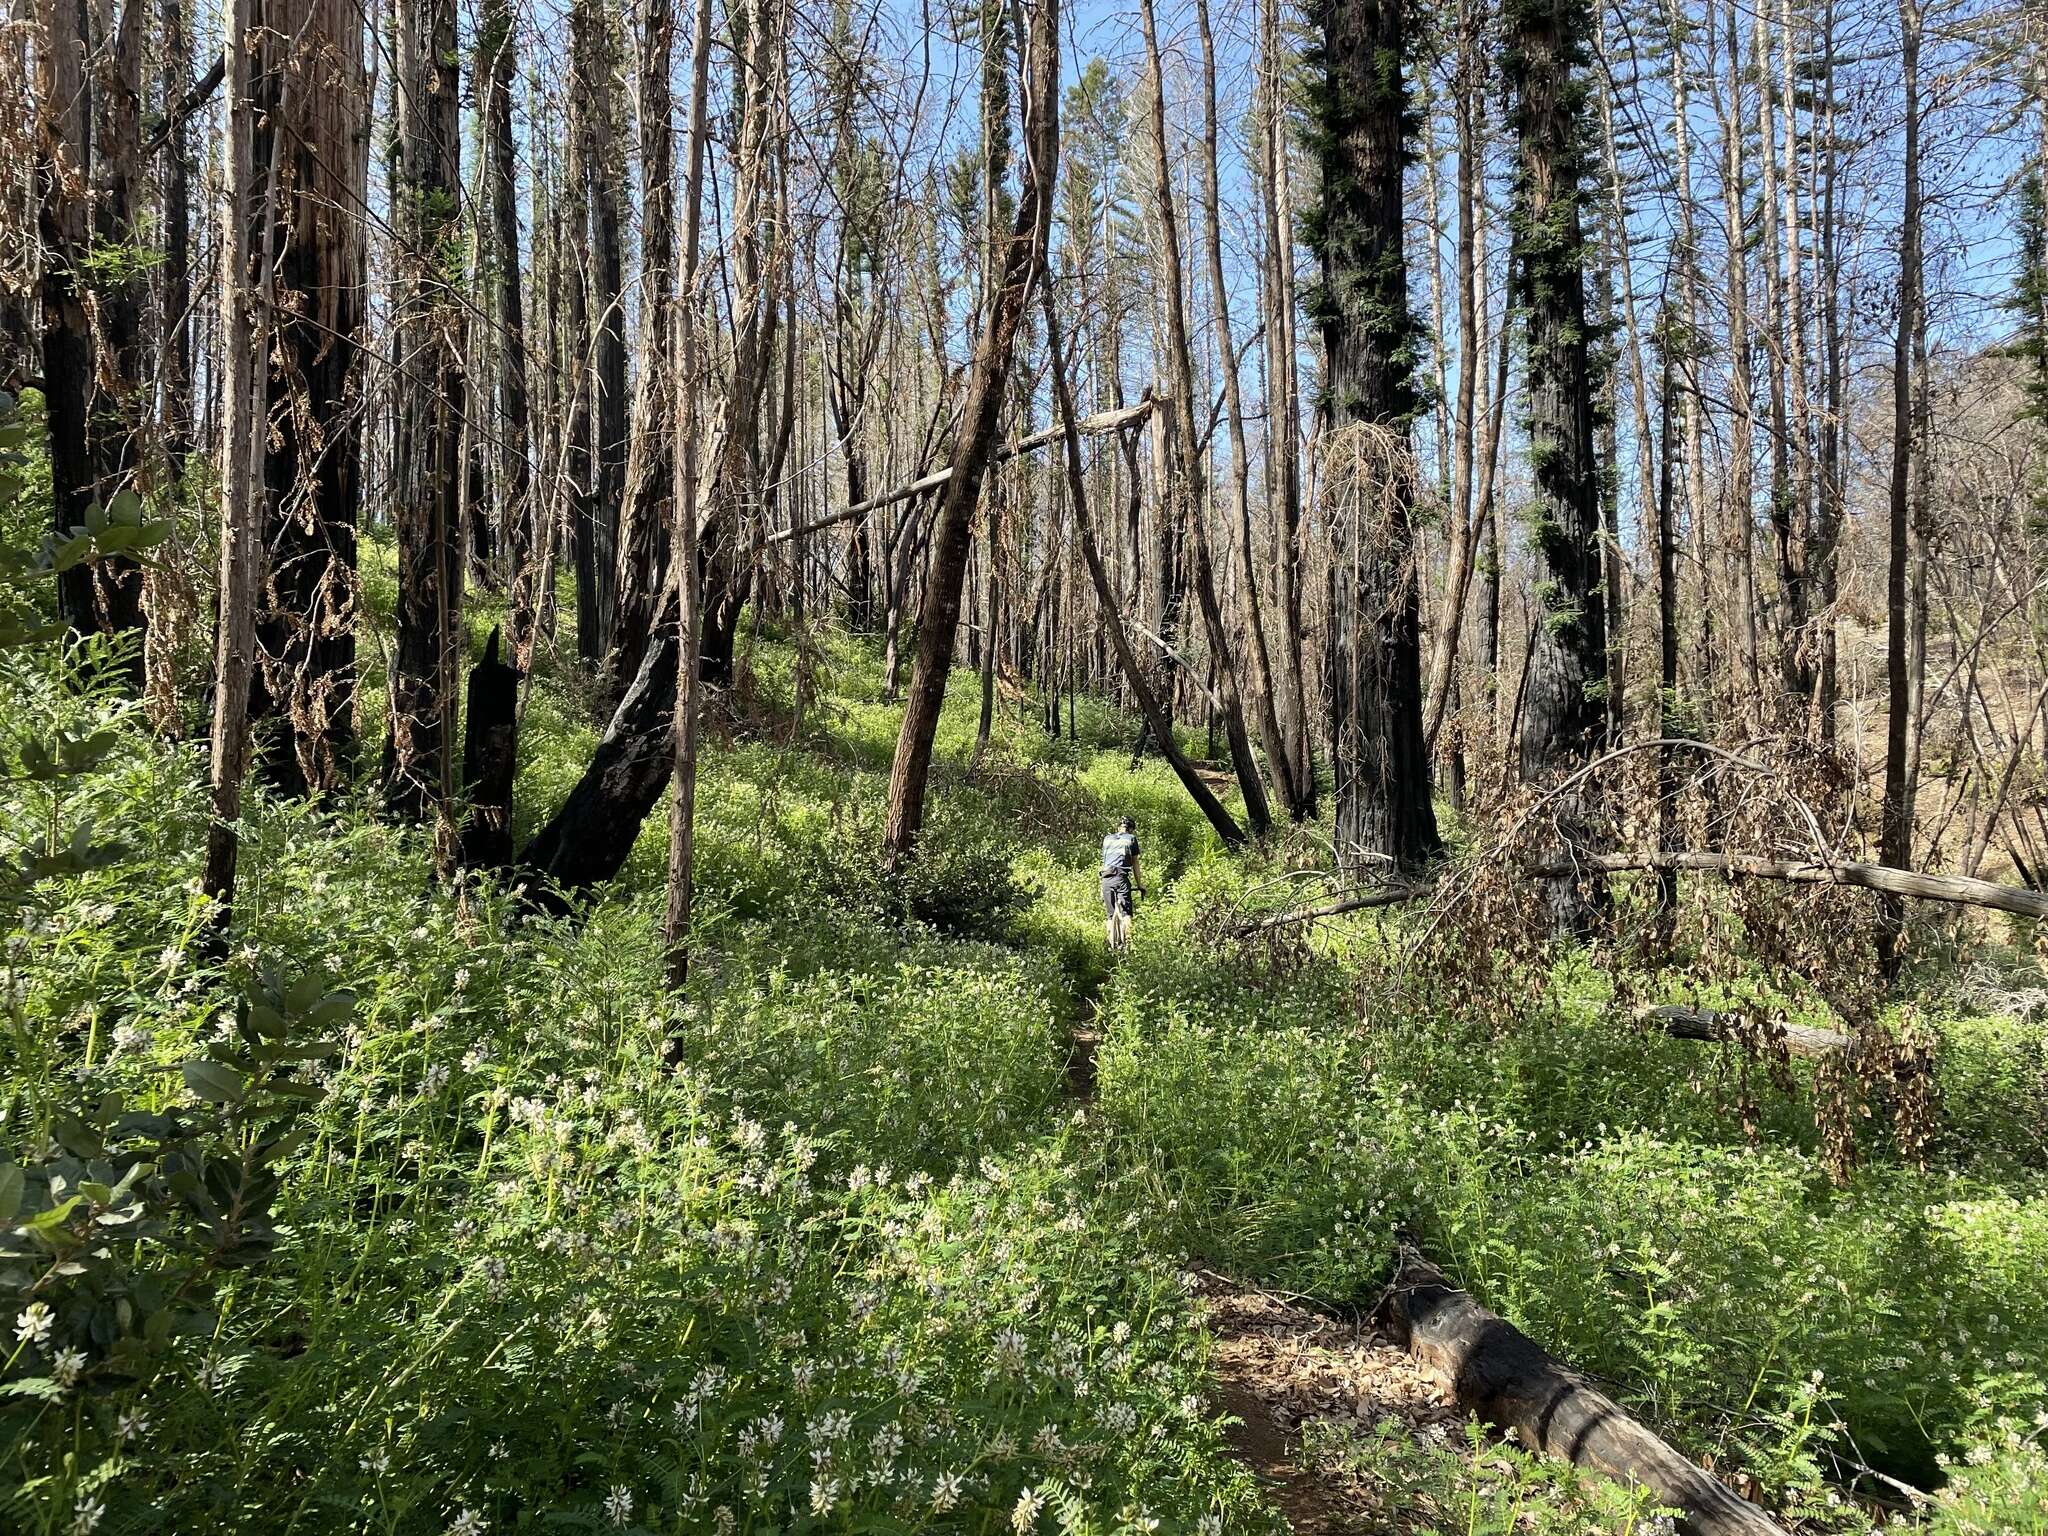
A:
(214, 1082)
(10, 1191)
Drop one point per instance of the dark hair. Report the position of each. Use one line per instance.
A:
(1129, 824)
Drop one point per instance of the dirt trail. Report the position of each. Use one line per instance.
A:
(1280, 1366)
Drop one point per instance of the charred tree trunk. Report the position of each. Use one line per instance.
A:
(524, 538)
(650, 474)
(1896, 836)
(490, 760)
(427, 465)
(1384, 814)
(88, 141)
(1498, 1373)
(304, 690)
(1564, 708)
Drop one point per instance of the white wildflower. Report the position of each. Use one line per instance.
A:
(68, 1367)
(467, 1522)
(33, 1326)
(1025, 1516)
(618, 1504)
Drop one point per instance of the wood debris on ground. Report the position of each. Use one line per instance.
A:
(1281, 1366)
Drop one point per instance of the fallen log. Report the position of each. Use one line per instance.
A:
(1499, 1374)
(1957, 890)
(1706, 1024)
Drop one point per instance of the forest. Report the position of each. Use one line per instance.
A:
(1015, 766)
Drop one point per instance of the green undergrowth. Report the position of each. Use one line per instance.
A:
(1594, 1181)
(855, 1264)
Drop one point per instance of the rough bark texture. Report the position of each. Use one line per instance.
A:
(432, 396)
(1498, 1373)
(518, 514)
(1384, 815)
(304, 691)
(1705, 1024)
(1564, 708)
(87, 138)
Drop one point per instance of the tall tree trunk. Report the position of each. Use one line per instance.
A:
(1467, 103)
(304, 690)
(1279, 761)
(1179, 362)
(248, 251)
(1563, 713)
(1896, 831)
(174, 325)
(1283, 407)
(650, 474)
(683, 573)
(1739, 520)
(498, 55)
(432, 400)
(88, 396)
(1023, 260)
(1359, 104)
(725, 562)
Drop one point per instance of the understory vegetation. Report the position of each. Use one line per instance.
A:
(393, 1220)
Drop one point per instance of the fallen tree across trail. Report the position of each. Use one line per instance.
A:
(1957, 890)
(1502, 1376)
(1706, 1024)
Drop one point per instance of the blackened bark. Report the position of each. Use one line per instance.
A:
(174, 330)
(303, 695)
(1563, 716)
(497, 47)
(586, 842)
(490, 760)
(427, 454)
(88, 147)
(1384, 814)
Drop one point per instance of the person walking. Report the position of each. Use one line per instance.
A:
(1119, 881)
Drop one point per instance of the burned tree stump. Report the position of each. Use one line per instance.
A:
(1500, 1375)
(586, 842)
(490, 760)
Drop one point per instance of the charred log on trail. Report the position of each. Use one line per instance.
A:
(1706, 1024)
(1501, 1375)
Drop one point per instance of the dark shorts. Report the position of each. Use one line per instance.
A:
(1116, 894)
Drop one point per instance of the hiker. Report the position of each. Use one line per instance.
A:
(1119, 879)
